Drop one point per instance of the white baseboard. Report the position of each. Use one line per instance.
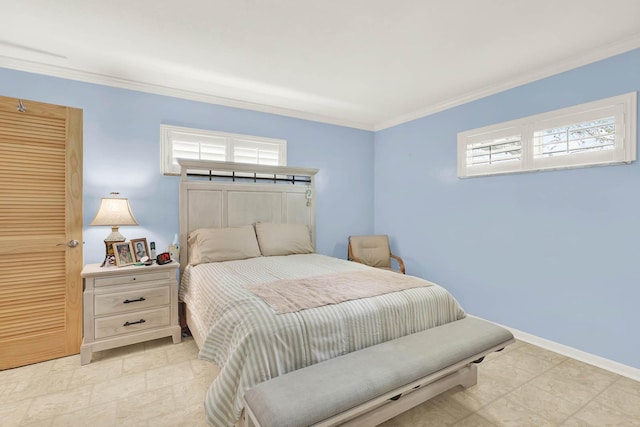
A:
(582, 356)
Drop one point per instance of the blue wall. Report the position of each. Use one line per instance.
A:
(555, 254)
(122, 153)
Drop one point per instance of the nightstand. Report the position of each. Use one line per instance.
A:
(128, 305)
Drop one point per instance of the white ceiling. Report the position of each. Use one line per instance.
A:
(363, 63)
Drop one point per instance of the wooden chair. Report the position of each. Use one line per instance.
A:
(373, 251)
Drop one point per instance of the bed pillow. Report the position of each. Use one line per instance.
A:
(222, 244)
(283, 239)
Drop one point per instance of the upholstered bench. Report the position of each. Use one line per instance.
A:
(372, 385)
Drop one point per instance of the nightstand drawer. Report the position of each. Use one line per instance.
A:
(138, 299)
(132, 278)
(132, 322)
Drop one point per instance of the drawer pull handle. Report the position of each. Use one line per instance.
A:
(127, 301)
(133, 323)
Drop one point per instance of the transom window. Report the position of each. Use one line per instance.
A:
(198, 144)
(576, 138)
(597, 133)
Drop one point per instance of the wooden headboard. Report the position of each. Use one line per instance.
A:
(226, 194)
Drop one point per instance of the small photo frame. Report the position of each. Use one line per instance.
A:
(140, 248)
(123, 252)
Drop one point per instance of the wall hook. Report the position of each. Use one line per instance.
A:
(21, 106)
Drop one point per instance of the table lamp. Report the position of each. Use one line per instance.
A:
(114, 212)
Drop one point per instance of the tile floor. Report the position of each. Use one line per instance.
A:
(161, 384)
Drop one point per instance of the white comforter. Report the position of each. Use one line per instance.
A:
(251, 343)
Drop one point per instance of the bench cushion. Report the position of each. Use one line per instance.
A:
(315, 393)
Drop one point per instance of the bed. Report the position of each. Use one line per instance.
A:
(235, 324)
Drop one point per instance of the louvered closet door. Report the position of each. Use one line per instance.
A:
(40, 211)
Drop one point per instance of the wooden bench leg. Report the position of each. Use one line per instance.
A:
(470, 378)
(248, 420)
(467, 377)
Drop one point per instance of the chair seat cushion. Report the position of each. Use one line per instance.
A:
(372, 250)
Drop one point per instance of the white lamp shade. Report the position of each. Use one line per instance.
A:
(114, 212)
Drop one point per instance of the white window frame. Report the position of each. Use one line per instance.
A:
(228, 141)
(623, 108)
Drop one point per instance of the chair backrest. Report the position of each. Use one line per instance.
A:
(372, 250)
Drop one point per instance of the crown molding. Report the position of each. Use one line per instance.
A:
(570, 63)
(601, 53)
(102, 79)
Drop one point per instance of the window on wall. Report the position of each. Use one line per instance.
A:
(597, 133)
(197, 144)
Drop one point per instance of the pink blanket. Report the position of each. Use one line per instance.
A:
(287, 296)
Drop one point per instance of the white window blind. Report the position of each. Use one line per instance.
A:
(596, 133)
(197, 144)
(494, 151)
(258, 152)
(497, 150)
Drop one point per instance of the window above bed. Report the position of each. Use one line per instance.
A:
(596, 133)
(199, 144)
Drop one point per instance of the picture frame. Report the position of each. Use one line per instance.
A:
(140, 248)
(123, 252)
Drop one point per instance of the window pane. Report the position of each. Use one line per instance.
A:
(212, 152)
(197, 151)
(589, 136)
(492, 151)
(185, 150)
(262, 153)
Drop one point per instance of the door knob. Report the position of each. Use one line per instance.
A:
(70, 243)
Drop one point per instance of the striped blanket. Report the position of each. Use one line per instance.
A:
(251, 343)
